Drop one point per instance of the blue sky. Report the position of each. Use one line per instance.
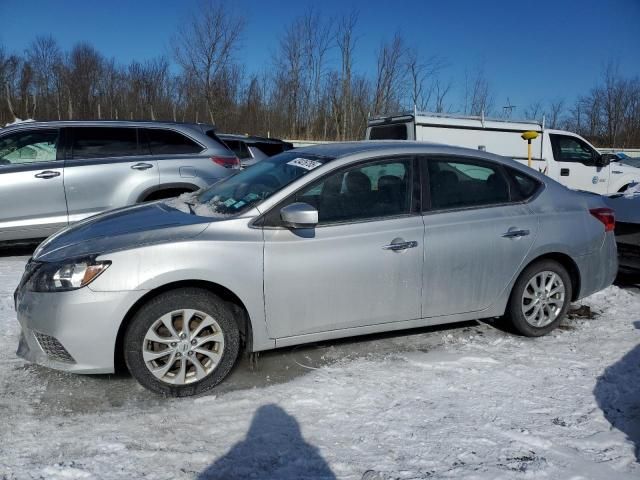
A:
(543, 50)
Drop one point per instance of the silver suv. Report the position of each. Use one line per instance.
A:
(56, 173)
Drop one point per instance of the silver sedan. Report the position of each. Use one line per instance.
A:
(312, 244)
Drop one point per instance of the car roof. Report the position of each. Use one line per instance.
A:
(408, 147)
(108, 123)
(342, 149)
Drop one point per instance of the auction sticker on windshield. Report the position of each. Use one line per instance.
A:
(304, 163)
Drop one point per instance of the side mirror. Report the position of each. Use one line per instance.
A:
(299, 215)
(605, 159)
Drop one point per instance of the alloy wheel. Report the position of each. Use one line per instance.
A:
(543, 299)
(183, 346)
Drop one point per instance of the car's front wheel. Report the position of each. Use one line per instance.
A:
(182, 342)
(540, 298)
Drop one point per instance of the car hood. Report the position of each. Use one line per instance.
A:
(121, 229)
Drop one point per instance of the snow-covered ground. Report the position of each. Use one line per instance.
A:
(470, 402)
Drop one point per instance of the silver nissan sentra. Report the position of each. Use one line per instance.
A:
(312, 244)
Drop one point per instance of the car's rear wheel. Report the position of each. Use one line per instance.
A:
(540, 298)
(182, 342)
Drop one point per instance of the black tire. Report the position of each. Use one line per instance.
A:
(514, 309)
(182, 298)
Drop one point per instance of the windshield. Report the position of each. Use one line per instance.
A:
(240, 192)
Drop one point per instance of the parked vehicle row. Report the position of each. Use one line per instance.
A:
(312, 244)
(251, 149)
(56, 173)
(562, 155)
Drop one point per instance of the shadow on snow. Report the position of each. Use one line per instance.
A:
(617, 392)
(272, 449)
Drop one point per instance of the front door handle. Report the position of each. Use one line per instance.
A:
(516, 233)
(47, 174)
(564, 172)
(400, 245)
(141, 166)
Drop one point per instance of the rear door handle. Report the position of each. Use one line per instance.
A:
(47, 174)
(564, 172)
(141, 166)
(515, 233)
(396, 246)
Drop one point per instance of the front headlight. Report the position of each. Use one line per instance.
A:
(62, 277)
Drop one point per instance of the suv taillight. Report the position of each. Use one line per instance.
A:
(606, 216)
(227, 162)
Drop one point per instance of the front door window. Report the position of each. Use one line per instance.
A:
(31, 146)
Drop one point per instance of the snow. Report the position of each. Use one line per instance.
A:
(187, 199)
(19, 120)
(468, 402)
(632, 190)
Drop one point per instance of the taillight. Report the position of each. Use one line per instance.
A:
(606, 216)
(227, 162)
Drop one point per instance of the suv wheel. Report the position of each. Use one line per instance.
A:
(182, 342)
(540, 298)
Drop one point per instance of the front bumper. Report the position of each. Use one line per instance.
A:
(73, 331)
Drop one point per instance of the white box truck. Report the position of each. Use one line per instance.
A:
(564, 156)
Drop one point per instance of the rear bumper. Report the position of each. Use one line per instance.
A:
(628, 240)
(598, 269)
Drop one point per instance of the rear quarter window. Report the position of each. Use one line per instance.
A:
(170, 142)
(271, 149)
(396, 131)
(524, 187)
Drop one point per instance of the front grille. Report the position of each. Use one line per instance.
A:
(53, 348)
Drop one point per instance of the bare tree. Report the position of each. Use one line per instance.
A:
(478, 97)
(421, 77)
(614, 98)
(534, 111)
(346, 41)
(556, 109)
(389, 75)
(44, 55)
(205, 47)
(441, 91)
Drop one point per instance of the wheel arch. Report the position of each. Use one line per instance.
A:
(242, 318)
(568, 263)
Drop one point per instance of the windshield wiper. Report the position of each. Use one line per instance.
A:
(191, 205)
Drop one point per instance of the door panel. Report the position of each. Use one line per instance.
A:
(472, 255)
(576, 166)
(341, 276)
(32, 207)
(106, 170)
(32, 200)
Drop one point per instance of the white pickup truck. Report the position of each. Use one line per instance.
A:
(564, 156)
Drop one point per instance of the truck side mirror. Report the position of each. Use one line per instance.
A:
(604, 159)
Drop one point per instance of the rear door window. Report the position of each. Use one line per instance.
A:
(103, 142)
(465, 183)
(170, 142)
(397, 131)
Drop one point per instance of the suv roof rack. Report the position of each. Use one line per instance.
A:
(481, 118)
